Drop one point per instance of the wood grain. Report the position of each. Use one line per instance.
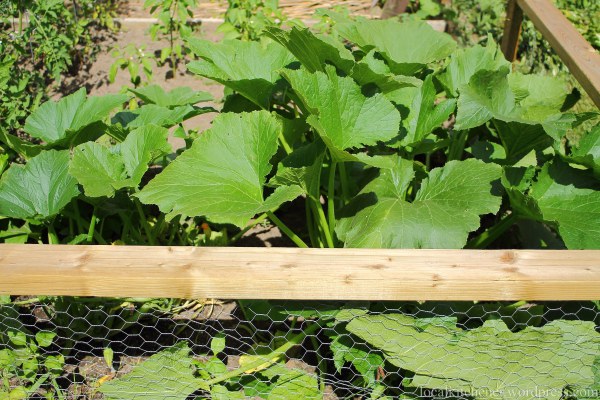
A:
(581, 58)
(301, 274)
(512, 30)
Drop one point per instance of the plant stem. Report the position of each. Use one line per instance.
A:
(321, 365)
(267, 360)
(491, 234)
(26, 302)
(295, 238)
(457, 145)
(331, 198)
(252, 224)
(52, 237)
(310, 223)
(344, 182)
(324, 224)
(285, 144)
(90, 234)
(78, 217)
(144, 221)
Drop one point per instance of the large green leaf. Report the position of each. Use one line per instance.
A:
(490, 362)
(180, 96)
(302, 168)
(424, 116)
(158, 115)
(249, 68)
(441, 215)
(464, 63)
(97, 169)
(539, 96)
(166, 375)
(366, 361)
(371, 70)
(291, 382)
(24, 148)
(487, 95)
(60, 120)
(587, 151)
(571, 199)
(39, 189)
(340, 113)
(526, 99)
(519, 139)
(407, 47)
(314, 51)
(222, 175)
(102, 170)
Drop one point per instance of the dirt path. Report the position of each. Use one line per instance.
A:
(301, 9)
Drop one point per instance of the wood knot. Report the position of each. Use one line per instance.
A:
(508, 257)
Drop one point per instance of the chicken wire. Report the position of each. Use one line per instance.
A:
(99, 348)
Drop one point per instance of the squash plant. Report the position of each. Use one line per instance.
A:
(384, 143)
(388, 143)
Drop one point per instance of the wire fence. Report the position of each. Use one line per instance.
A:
(107, 348)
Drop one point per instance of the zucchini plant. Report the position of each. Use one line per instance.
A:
(384, 144)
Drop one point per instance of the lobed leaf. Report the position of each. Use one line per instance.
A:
(340, 113)
(222, 175)
(61, 120)
(314, 51)
(180, 96)
(39, 189)
(102, 170)
(489, 362)
(249, 68)
(166, 375)
(407, 47)
(441, 215)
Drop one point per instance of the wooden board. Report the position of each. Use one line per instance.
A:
(581, 58)
(512, 30)
(303, 274)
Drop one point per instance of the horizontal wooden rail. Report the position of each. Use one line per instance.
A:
(578, 55)
(300, 274)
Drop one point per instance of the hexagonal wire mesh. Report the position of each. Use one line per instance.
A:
(99, 348)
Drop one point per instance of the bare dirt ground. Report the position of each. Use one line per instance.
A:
(302, 9)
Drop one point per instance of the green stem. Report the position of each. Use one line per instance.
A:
(288, 149)
(319, 228)
(457, 145)
(144, 221)
(324, 224)
(321, 365)
(252, 224)
(295, 238)
(344, 182)
(26, 302)
(490, 235)
(52, 237)
(90, 234)
(310, 223)
(267, 360)
(331, 198)
(78, 219)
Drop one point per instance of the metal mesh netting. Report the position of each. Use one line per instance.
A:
(98, 348)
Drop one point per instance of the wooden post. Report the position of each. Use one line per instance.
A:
(580, 57)
(391, 8)
(299, 274)
(512, 30)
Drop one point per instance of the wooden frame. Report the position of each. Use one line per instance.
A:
(300, 274)
(580, 57)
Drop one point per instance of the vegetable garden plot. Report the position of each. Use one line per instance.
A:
(92, 348)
